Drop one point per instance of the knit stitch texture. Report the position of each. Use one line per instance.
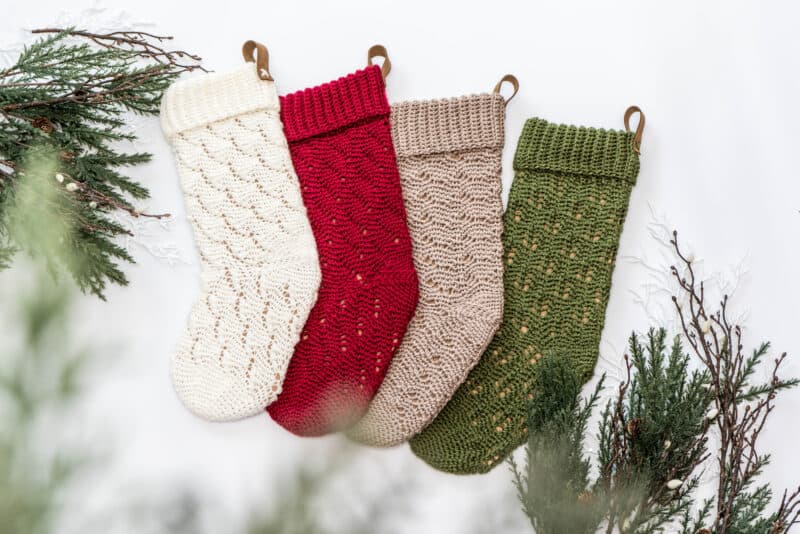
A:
(260, 271)
(341, 145)
(449, 154)
(561, 232)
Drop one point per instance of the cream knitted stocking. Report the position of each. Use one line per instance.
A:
(260, 272)
(449, 156)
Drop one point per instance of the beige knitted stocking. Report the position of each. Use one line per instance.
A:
(259, 261)
(449, 156)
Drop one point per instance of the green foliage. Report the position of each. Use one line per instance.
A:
(38, 370)
(553, 489)
(555, 392)
(36, 379)
(653, 432)
(69, 98)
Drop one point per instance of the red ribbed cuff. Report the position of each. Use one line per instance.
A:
(334, 105)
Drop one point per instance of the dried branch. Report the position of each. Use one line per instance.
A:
(136, 41)
(89, 194)
(742, 410)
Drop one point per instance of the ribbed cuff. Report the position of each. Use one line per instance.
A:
(334, 105)
(577, 150)
(213, 97)
(448, 125)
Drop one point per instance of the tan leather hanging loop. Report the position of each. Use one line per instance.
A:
(637, 136)
(510, 78)
(380, 51)
(261, 59)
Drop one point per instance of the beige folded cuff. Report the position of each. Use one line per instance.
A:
(448, 125)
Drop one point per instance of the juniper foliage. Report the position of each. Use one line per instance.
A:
(68, 94)
(39, 370)
(651, 433)
(553, 488)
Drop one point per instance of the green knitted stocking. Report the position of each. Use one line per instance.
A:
(561, 232)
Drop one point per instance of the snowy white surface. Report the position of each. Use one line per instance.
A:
(718, 82)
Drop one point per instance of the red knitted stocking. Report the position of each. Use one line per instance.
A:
(341, 145)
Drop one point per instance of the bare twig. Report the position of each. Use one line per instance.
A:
(93, 195)
(740, 419)
(143, 43)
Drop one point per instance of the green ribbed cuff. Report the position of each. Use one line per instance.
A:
(576, 150)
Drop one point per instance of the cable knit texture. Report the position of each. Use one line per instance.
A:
(260, 272)
(341, 145)
(449, 154)
(561, 231)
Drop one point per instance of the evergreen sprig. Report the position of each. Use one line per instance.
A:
(554, 487)
(651, 435)
(40, 369)
(68, 94)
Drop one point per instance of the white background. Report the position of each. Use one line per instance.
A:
(718, 81)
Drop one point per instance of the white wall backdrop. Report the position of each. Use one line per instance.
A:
(718, 81)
